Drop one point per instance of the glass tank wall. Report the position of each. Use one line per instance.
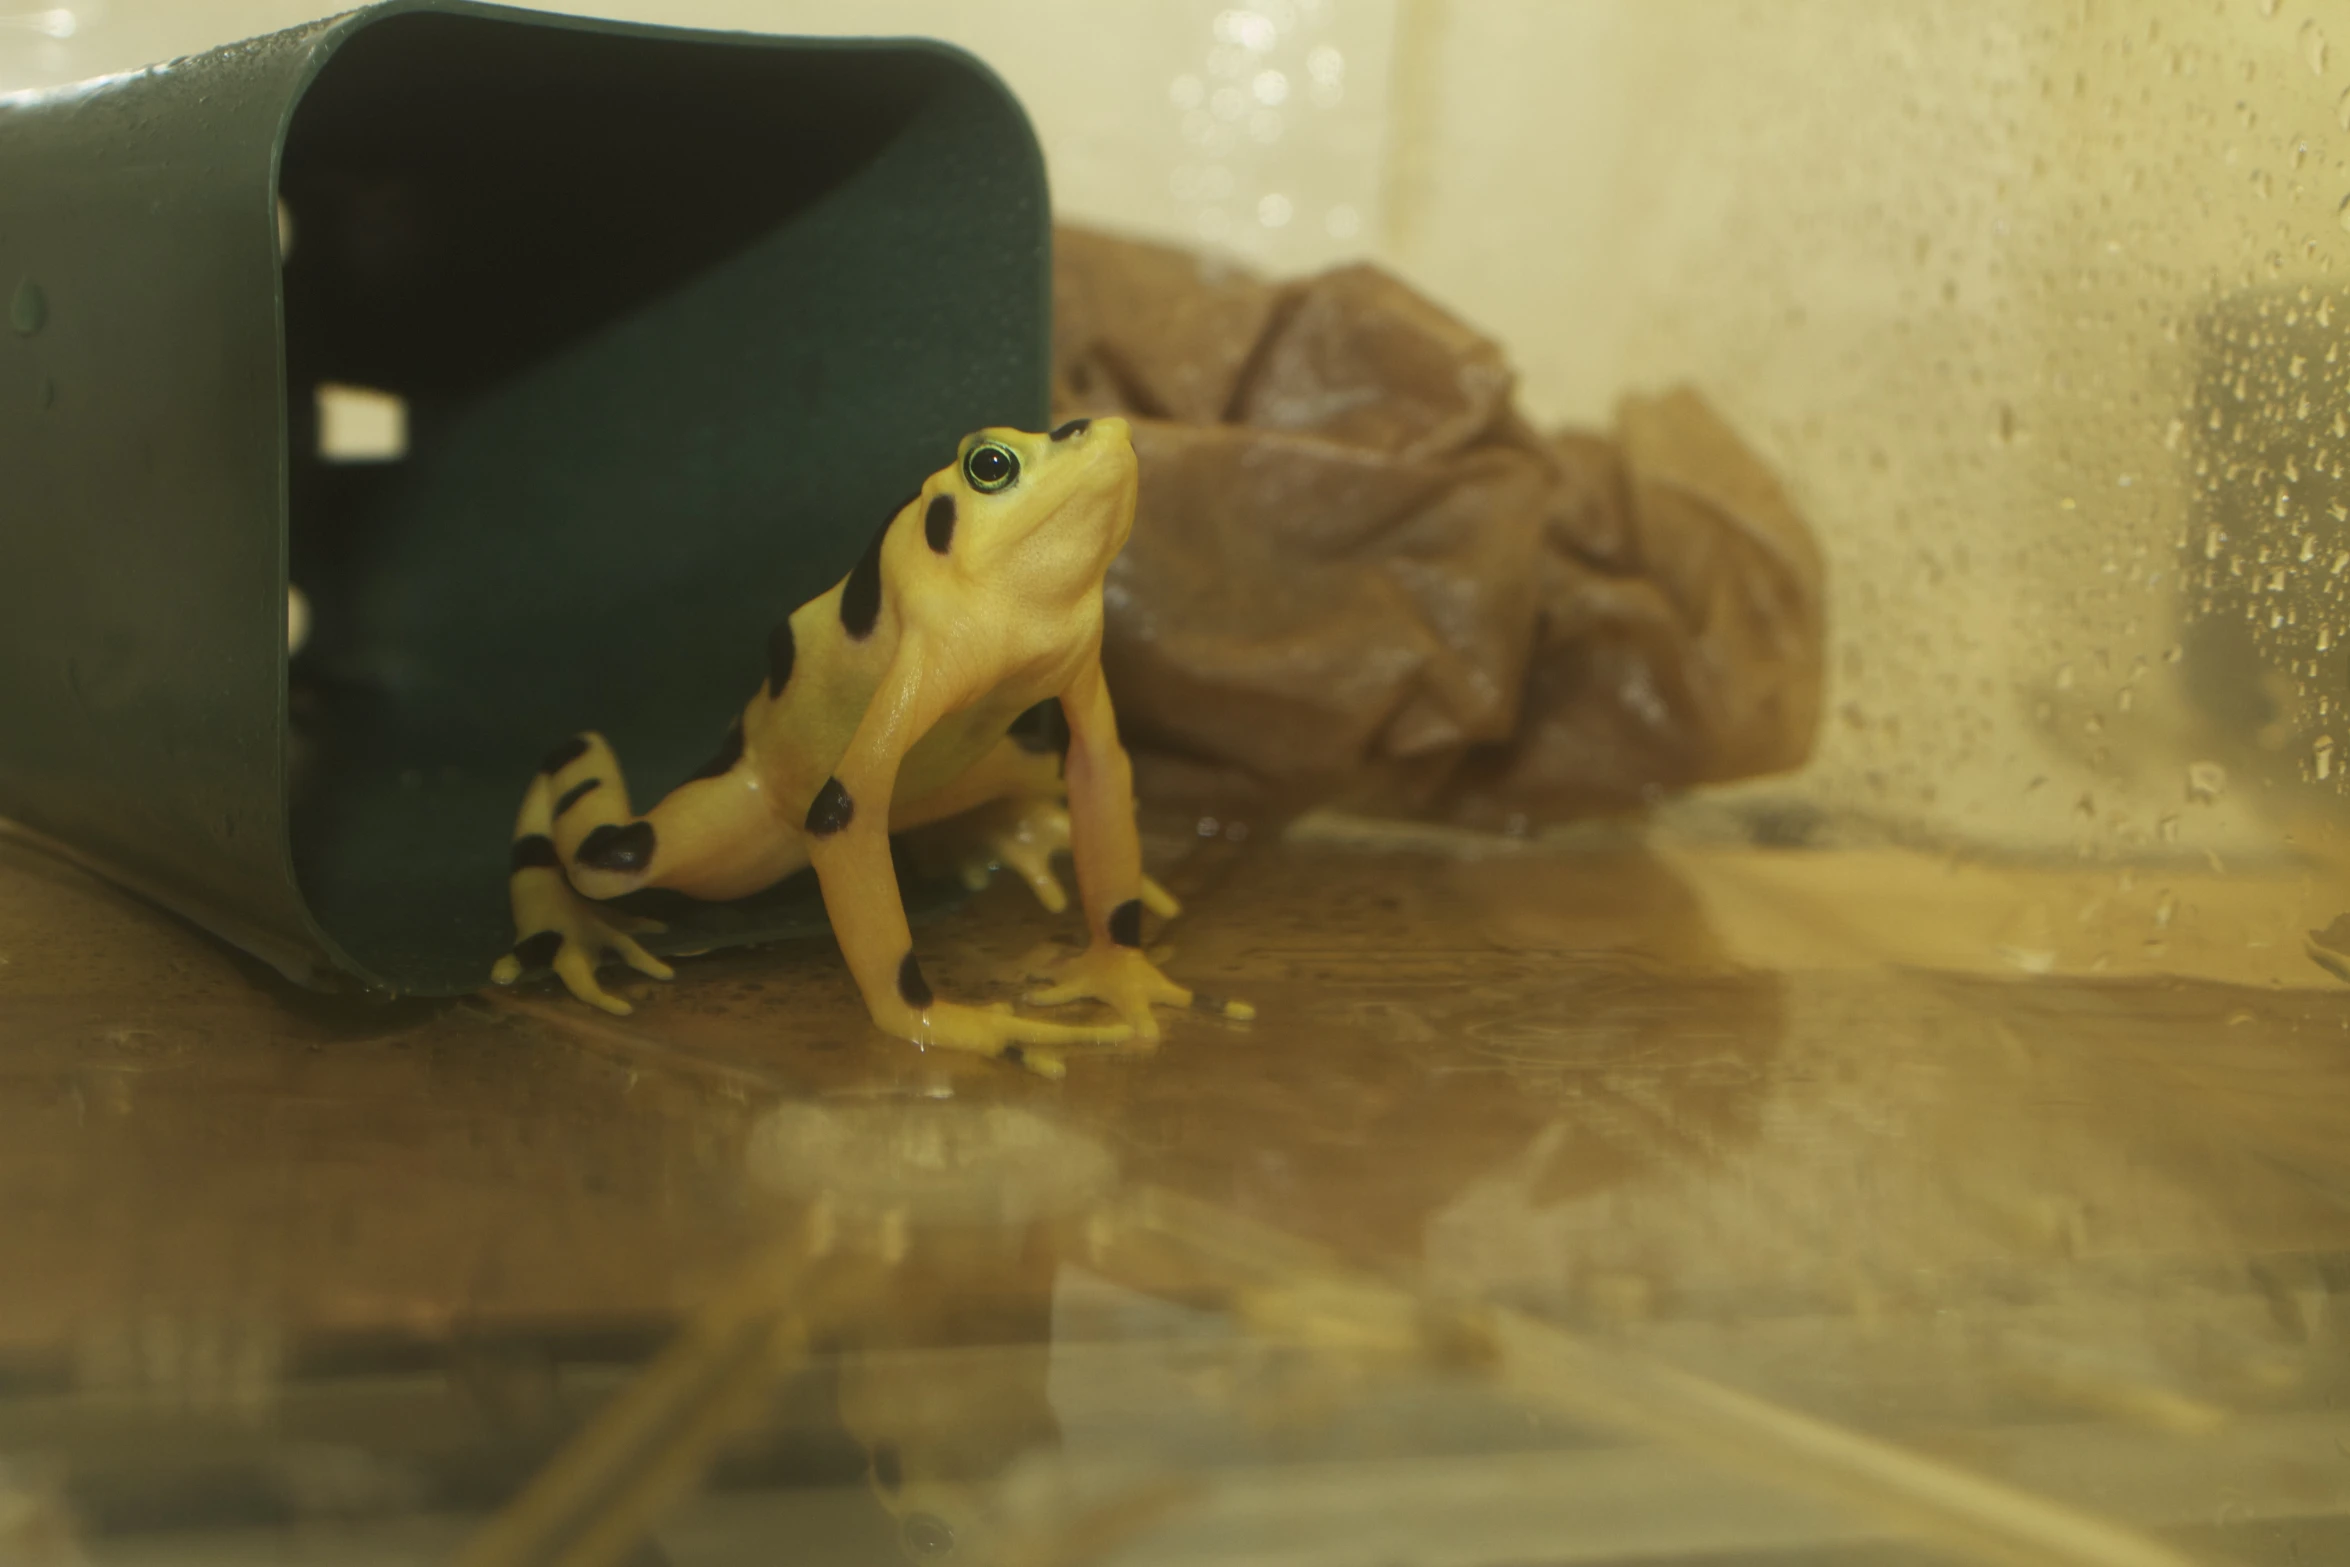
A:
(2031, 304)
(1989, 1152)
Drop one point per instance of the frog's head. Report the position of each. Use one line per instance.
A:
(1054, 508)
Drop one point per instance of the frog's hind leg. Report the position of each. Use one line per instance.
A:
(578, 842)
(554, 926)
(1009, 809)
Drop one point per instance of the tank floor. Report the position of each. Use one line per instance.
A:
(1582, 1200)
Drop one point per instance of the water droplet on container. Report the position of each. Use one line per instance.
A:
(28, 309)
(2206, 781)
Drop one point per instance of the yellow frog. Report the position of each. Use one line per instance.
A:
(939, 678)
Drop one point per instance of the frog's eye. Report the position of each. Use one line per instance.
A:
(990, 467)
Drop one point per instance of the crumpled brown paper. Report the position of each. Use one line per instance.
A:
(1359, 578)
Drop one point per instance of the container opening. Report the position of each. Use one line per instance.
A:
(672, 323)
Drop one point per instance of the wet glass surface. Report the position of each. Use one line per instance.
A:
(1533, 1220)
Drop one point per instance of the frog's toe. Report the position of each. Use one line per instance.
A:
(1047, 1064)
(998, 1031)
(636, 957)
(577, 970)
(1038, 873)
(1030, 858)
(1159, 900)
(1121, 977)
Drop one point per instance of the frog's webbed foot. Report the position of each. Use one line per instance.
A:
(1131, 984)
(1000, 1032)
(1022, 836)
(575, 937)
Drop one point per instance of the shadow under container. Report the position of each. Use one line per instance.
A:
(676, 318)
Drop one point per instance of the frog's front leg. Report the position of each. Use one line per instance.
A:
(1108, 851)
(847, 827)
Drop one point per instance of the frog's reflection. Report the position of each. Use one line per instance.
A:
(947, 1418)
(941, 1371)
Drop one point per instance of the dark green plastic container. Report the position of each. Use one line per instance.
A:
(678, 317)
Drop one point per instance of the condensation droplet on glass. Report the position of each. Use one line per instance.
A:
(2342, 109)
(1271, 87)
(2321, 752)
(1326, 64)
(2206, 782)
(2313, 47)
(1249, 29)
(1343, 222)
(2269, 7)
(1273, 209)
(2003, 429)
(2064, 677)
(1327, 95)
(2342, 214)
(1187, 92)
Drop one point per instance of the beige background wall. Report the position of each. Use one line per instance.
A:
(1950, 265)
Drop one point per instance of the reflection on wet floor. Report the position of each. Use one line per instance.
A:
(1532, 1221)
